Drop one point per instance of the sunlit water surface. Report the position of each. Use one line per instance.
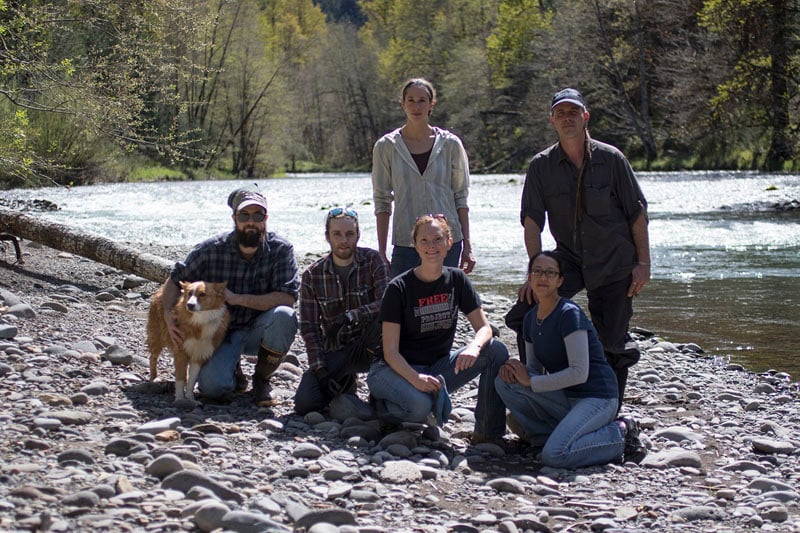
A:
(725, 264)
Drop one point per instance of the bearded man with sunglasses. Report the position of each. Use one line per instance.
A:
(262, 276)
(340, 297)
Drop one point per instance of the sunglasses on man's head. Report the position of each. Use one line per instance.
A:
(337, 212)
(244, 216)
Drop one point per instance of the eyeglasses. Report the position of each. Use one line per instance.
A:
(337, 212)
(244, 216)
(549, 273)
(439, 216)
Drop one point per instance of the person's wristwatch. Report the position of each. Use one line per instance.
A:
(351, 317)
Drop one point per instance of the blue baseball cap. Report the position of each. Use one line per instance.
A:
(568, 95)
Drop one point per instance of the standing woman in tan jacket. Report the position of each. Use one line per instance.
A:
(424, 170)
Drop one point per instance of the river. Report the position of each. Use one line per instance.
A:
(726, 265)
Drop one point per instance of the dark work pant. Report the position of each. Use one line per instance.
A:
(610, 309)
(343, 365)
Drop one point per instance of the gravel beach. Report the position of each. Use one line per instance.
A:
(88, 444)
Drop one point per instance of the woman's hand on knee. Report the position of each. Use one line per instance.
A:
(464, 361)
(427, 383)
(513, 371)
(506, 373)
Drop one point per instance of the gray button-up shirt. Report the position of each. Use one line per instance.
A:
(602, 244)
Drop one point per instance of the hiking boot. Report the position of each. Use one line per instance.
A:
(508, 447)
(515, 427)
(387, 422)
(634, 449)
(268, 361)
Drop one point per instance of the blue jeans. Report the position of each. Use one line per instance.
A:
(575, 432)
(406, 257)
(405, 403)
(275, 329)
(347, 361)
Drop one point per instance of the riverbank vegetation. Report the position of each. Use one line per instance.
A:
(166, 89)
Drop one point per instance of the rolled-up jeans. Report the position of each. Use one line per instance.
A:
(275, 329)
(406, 403)
(574, 432)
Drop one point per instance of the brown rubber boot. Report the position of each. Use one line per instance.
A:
(266, 364)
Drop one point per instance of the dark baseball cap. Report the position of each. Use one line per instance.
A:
(241, 198)
(568, 95)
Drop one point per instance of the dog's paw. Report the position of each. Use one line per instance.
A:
(184, 403)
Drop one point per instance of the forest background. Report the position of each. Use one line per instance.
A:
(97, 91)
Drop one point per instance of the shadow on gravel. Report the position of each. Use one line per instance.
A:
(516, 462)
(155, 401)
(25, 270)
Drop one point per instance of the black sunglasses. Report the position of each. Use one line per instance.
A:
(244, 216)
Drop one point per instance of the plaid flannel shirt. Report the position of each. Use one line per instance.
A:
(272, 269)
(322, 301)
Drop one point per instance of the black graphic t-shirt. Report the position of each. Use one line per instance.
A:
(428, 312)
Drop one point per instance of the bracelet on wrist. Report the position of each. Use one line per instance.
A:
(643, 263)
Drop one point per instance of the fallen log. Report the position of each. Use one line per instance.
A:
(86, 244)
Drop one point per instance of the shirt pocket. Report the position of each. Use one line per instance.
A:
(558, 199)
(597, 199)
(331, 307)
(360, 295)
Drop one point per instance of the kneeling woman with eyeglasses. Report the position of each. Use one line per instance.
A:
(419, 312)
(565, 399)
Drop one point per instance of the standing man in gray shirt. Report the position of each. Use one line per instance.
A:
(598, 218)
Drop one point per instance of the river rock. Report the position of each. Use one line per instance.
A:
(336, 517)
(21, 310)
(763, 445)
(77, 455)
(210, 515)
(185, 479)
(400, 472)
(247, 522)
(72, 421)
(69, 417)
(157, 426)
(9, 298)
(164, 465)
(671, 458)
(7, 331)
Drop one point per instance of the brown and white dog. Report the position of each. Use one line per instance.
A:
(202, 317)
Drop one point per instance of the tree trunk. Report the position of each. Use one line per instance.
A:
(86, 244)
(780, 149)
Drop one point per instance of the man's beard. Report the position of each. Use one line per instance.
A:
(344, 254)
(248, 239)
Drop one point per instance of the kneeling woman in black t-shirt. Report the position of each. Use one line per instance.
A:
(419, 313)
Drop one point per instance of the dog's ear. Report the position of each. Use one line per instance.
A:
(184, 285)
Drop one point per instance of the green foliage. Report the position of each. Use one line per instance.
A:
(756, 90)
(92, 90)
(156, 173)
(509, 45)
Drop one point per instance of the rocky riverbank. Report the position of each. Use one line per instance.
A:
(87, 444)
